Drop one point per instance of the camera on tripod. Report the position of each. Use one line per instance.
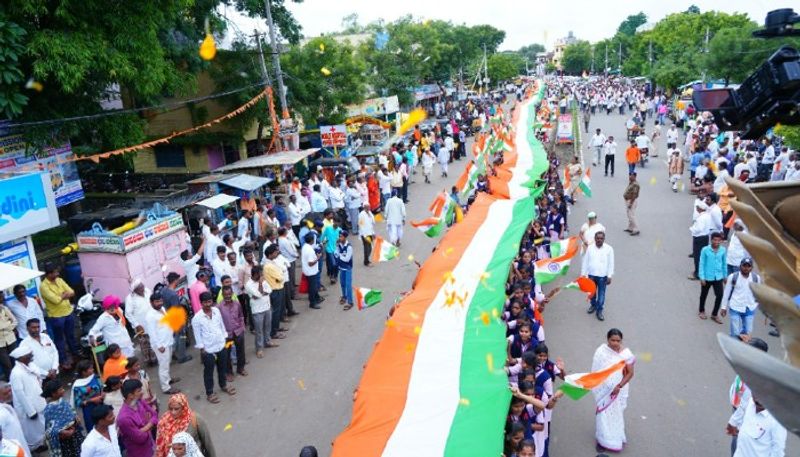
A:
(769, 96)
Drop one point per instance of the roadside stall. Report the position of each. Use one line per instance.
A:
(214, 210)
(275, 166)
(147, 251)
(247, 188)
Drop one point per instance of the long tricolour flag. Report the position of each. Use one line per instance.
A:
(383, 250)
(431, 227)
(577, 385)
(366, 297)
(547, 270)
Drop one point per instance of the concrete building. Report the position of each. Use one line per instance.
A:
(206, 150)
(558, 48)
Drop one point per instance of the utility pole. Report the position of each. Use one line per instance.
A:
(264, 73)
(619, 57)
(268, 81)
(592, 70)
(605, 67)
(276, 59)
(650, 55)
(485, 69)
(705, 51)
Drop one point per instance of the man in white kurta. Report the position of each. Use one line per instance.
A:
(26, 385)
(111, 325)
(395, 218)
(162, 339)
(9, 422)
(45, 354)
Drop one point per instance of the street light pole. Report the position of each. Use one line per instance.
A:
(276, 59)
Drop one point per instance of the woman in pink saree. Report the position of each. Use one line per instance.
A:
(611, 397)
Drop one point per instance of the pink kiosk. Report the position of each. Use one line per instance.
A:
(149, 251)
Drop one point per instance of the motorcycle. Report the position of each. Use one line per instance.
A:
(89, 310)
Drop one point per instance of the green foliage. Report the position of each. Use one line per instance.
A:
(733, 53)
(790, 134)
(81, 51)
(628, 26)
(315, 95)
(419, 52)
(505, 66)
(577, 58)
(11, 75)
(529, 52)
(287, 25)
(550, 67)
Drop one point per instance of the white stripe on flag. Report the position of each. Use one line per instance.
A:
(519, 174)
(435, 373)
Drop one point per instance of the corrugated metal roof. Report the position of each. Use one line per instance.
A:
(270, 160)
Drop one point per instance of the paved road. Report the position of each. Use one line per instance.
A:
(679, 395)
(301, 392)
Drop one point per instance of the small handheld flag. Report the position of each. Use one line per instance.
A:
(584, 284)
(366, 298)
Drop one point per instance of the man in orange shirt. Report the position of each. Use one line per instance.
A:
(632, 156)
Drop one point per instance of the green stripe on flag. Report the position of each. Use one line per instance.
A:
(572, 391)
(478, 424)
(373, 297)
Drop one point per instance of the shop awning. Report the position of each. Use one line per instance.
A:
(247, 183)
(11, 275)
(269, 160)
(217, 201)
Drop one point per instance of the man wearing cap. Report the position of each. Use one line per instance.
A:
(162, 338)
(739, 298)
(26, 386)
(588, 229)
(136, 306)
(45, 354)
(701, 228)
(111, 325)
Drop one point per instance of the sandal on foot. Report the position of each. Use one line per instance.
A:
(212, 398)
(702, 316)
(229, 390)
(347, 306)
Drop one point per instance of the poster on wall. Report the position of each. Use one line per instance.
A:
(27, 205)
(20, 253)
(16, 155)
(375, 107)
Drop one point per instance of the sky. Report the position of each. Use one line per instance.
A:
(524, 21)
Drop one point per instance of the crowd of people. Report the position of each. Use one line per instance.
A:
(242, 279)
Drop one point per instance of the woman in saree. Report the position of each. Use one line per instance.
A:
(611, 397)
(180, 418)
(64, 435)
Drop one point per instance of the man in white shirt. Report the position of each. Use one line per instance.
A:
(162, 339)
(714, 211)
(293, 211)
(212, 239)
(103, 440)
(385, 184)
(259, 291)
(672, 137)
(243, 225)
(137, 304)
(111, 326)
(739, 393)
(596, 145)
(353, 199)
(609, 153)
(395, 218)
(598, 265)
(45, 354)
(26, 386)
(219, 264)
(643, 143)
(189, 262)
(210, 336)
(701, 229)
(366, 228)
(793, 171)
(25, 308)
(288, 247)
(9, 422)
(739, 298)
(758, 433)
(589, 229)
(781, 165)
(309, 259)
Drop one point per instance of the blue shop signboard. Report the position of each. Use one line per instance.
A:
(27, 205)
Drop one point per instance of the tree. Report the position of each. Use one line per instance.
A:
(504, 66)
(734, 53)
(577, 57)
(350, 24)
(529, 52)
(790, 134)
(79, 51)
(315, 94)
(693, 9)
(11, 77)
(629, 25)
